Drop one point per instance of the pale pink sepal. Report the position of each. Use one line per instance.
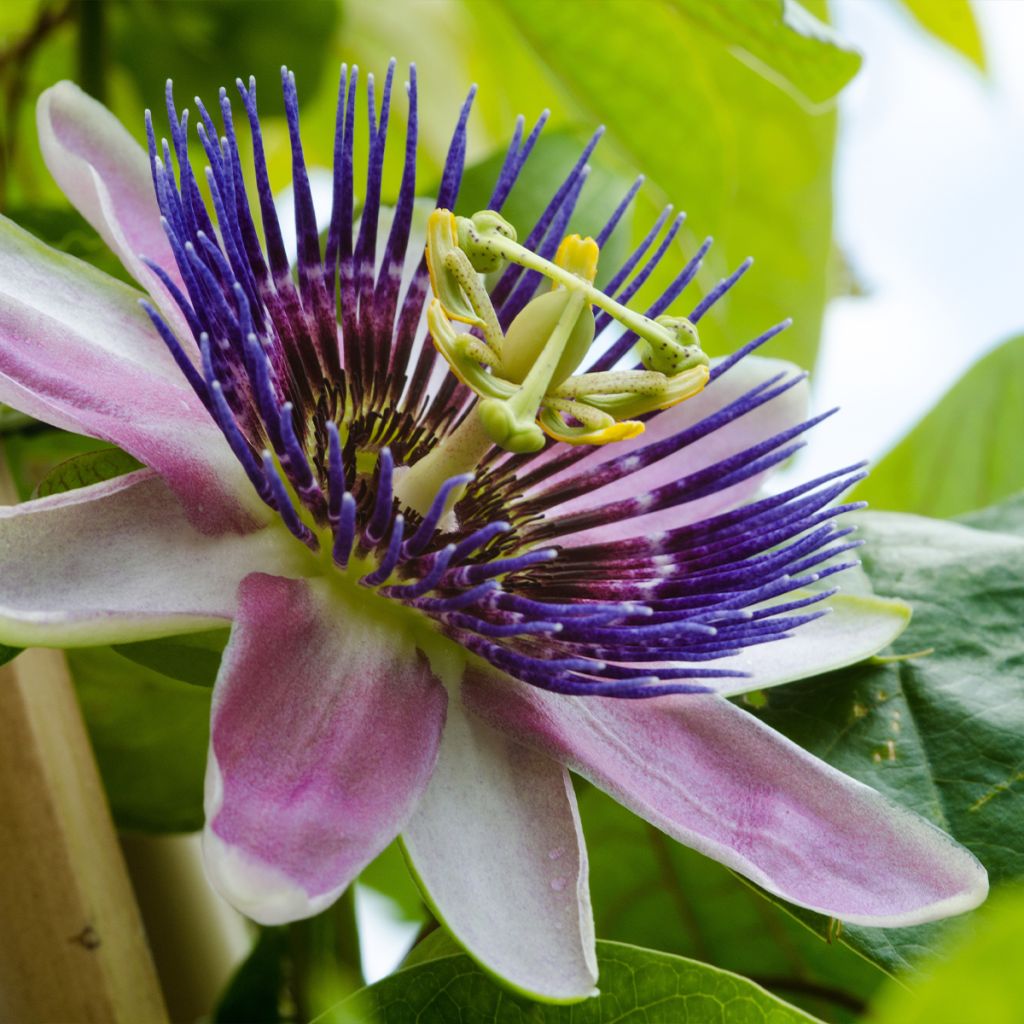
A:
(106, 175)
(325, 729)
(779, 414)
(76, 351)
(497, 848)
(712, 776)
(119, 561)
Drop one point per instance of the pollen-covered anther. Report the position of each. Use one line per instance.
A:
(525, 375)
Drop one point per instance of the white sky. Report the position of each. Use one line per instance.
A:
(929, 212)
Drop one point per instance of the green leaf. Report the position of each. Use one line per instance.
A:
(965, 453)
(33, 454)
(750, 163)
(190, 657)
(388, 874)
(648, 890)
(971, 982)
(88, 468)
(204, 46)
(951, 22)
(253, 995)
(941, 731)
(437, 944)
(1006, 517)
(637, 985)
(782, 38)
(150, 735)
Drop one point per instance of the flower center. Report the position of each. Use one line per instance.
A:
(525, 378)
(405, 481)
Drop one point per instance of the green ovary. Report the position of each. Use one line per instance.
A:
(529, 332)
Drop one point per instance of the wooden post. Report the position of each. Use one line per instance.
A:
(72, 946)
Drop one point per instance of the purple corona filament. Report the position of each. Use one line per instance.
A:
(325, 388)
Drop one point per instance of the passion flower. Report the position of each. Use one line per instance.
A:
(474, 521)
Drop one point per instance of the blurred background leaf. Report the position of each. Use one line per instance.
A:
(204, 46)
(971, 981)
(150, 734)
(952, 22)
(785, 40)
(965, 453)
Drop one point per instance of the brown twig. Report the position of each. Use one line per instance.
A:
(15, 59)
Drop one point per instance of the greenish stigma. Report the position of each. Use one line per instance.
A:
(526, 378)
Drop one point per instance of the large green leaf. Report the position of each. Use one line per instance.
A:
(150, 735)
(648, 890)
(1006, 517)
(748, 161)
(942, 730)
(965, 454)
(205, 46)
(637, 985)
(972, 981)
(952, 22)
(784, 39)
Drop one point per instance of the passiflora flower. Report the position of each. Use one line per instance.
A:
(466, 537)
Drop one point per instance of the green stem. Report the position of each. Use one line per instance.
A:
(92, 48)
(460, 452)
(347, 946)
(325, 957)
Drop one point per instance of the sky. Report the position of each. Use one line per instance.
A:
(930, 214)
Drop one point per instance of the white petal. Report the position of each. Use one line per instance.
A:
(497, 847)
(119, 561)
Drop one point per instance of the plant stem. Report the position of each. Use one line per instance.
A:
(92, 48)
(325, 958)
(460, 452)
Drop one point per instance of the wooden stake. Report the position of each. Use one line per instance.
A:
(72, 946)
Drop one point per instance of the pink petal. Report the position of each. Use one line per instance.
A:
(325, 730)
(77, 351)
(497, 848)
(779, 414)
(716, 779)
(106, 175)
(119, 561)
